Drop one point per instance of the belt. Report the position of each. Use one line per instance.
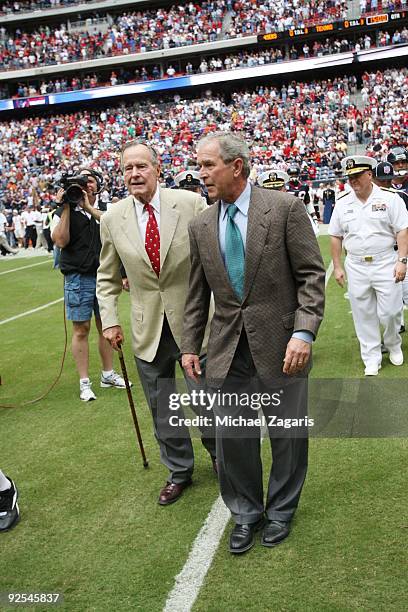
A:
(371, 258)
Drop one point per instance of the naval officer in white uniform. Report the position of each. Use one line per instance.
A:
(368, 220)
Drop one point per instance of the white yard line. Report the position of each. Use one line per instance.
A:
(25, 267)
(188, 582)
(29, 312)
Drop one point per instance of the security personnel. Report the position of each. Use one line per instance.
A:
(369, 219)
(279, 180)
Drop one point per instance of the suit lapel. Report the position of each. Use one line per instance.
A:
(131, 229)
(168, 222)
(259, 220)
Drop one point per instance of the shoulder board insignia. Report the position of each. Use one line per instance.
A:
(342, 196)
(388, 189)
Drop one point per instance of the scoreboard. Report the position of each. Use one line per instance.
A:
(336, 26)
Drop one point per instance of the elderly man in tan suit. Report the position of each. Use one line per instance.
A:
(255, 250)
(148, 233)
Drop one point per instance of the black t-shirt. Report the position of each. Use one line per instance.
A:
(81, 254)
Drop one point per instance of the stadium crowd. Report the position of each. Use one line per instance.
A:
(145, 30)
(241, 59)
(375, 6)
(309, 8)
(307, 122)
(251, 17)
(385, 116)
(24, 6)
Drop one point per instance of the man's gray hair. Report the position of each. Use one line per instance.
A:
(232, 146)
(134, 143)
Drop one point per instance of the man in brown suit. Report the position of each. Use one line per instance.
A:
(255, 250)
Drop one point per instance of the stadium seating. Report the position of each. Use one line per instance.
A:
(145, 30)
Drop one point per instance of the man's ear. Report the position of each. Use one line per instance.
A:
(238, 165)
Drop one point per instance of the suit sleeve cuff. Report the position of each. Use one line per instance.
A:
(307, 336)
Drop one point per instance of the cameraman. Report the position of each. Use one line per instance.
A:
(75, 230)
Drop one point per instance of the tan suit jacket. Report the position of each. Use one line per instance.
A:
(283, 286)
(151, 297)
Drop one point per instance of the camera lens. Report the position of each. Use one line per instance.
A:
(74, 194)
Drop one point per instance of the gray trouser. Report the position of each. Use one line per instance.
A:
(238, 451)
(158, 381)
(4, 243)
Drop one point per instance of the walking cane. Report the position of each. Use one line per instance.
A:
(132, 407)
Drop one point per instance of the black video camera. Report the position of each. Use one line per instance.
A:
(74, 187)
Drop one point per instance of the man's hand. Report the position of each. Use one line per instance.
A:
(297, 356)
(59, 199)
(400, 271)
(191, 365)
(85, 203)
(340, 276)
(60, 196)
(114, 335)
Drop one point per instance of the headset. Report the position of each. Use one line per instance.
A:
(97, 176)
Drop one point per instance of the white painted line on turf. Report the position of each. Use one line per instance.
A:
(25, 267)
(189, 581)
(28, 312)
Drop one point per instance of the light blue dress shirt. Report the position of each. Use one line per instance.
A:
(241, 220)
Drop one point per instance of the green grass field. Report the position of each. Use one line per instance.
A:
(90, 525)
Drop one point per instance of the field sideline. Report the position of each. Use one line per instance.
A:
(90, 525)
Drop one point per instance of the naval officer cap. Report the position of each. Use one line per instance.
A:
(354, 164)
(186, 179)
(273, 179)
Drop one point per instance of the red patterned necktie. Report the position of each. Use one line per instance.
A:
(152, 240)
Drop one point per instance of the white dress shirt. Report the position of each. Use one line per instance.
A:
(142, 216)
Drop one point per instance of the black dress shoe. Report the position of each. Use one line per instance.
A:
(172, 492)
(242, 536)
(274, 533)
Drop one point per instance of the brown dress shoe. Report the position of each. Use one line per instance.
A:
(172, 491)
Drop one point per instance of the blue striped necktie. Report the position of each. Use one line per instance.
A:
(234, 253)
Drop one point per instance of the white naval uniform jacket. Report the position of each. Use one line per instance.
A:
(368, 228)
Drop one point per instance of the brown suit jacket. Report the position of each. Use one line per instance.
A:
(283, 287)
